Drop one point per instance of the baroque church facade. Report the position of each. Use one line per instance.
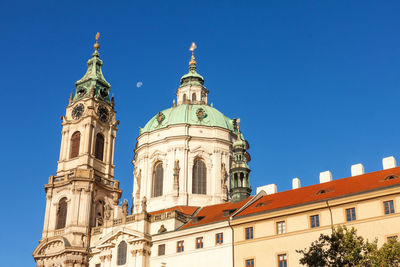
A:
(191, 203)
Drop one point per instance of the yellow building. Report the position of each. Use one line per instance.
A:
(270, 230)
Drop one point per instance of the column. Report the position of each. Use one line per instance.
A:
(87, 138)
(65, 144)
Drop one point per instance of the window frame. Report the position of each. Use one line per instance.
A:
(390, 207)
(161, 252)
(155, 179)
(124, 253)
(98, 150)
(352, 214)
(199, 242)
(317, 223)
(61, 221)
(284, 229)
(285, 260)
(180, 246)
(250, 259)
(199, 185)
(219, 238)
(75, 145)
(249, 233)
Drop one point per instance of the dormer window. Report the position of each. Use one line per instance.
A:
(391, 177)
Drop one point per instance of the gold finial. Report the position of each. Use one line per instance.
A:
(238, 124)
(96, 45)
(192, 48)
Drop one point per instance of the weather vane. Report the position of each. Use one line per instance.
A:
(96, 45)
(192, 48)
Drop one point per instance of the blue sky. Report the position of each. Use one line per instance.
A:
(315, 83)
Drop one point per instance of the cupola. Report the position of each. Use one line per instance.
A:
(192, 90)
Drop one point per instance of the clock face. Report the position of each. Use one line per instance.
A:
(77, 111)
(102, 112)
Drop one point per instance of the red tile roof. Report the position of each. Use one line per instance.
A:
(188, 210)
(334, 189)
(214, 213)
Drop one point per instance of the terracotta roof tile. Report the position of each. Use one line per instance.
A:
(214, 213)
(319, 192)
(188, 210)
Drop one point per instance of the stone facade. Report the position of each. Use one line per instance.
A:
(191, 194)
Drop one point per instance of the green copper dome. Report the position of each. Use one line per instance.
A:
(188, 114)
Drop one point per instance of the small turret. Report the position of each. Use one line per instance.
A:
(240, 186)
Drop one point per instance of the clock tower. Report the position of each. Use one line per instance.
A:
(83, 193)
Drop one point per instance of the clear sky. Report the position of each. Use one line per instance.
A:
(315, 83)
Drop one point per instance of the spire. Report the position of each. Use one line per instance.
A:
(93, 83)
(192, 90)
(192, 76)
(240, 186)
(192, 62)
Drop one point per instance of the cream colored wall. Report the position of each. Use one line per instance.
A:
(184, 143)
(267, 244)
(210, 255)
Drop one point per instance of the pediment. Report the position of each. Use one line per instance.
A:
(199, 150)
(158, 154)
(53, 246)
(109, 240)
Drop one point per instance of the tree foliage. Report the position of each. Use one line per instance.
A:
(345, 248)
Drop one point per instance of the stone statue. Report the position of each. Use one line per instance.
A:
(138, 178)
(223, 178)
(176, 175)
(162, 229)
(144, 204)
(107, 212)
(125, 208)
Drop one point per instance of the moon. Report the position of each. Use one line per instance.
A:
(139, 84)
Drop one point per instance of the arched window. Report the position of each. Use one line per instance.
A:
(121, 256)
(61, 213)
(75, 141)
(199, 182)
(99, 147)
(158, 175)
(194, 97)
(184, 98)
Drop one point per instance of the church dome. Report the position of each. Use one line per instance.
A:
(192, 114)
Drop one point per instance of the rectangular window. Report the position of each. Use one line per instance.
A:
(179, 246)
(281, 227)
(98, 265)
(249, 233)
(199, 242)
(350, 214)
(250, 263)
(389, 208)
(161, 250)
(282, 260)
(219, 238)
(314, 221)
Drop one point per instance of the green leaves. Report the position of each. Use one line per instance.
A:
(344, 248)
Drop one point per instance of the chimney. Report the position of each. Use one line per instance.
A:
(325, 176)
(296, 183)
(357, 169)
(389, 162)
(269, 189)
